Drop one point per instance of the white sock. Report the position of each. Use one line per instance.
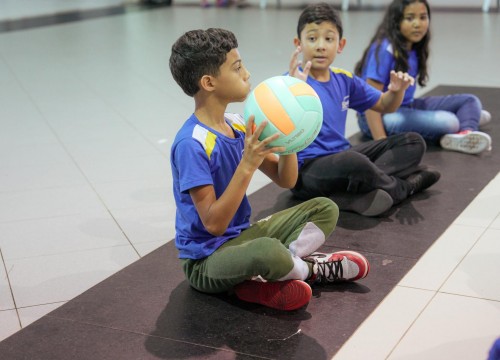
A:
(300, 270)
(310, 239)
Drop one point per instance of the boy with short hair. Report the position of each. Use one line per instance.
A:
(368, 178)
(213, 159)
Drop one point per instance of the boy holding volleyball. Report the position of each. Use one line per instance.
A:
(368, 178)
(213, 159)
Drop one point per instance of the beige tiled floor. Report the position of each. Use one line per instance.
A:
(448, 305)
(88, 111)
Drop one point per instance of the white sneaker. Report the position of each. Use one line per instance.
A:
(485, 118)
(469, 142)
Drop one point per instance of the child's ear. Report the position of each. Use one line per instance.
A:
(296, 42)
(206, 83)
(342, 43)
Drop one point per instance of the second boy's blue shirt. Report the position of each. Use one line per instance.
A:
(203, 156)
(343, 91)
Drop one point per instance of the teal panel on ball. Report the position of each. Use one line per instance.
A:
(251, 106)
(286, 98)
(314, 121)
(289, 80)
(310, 103)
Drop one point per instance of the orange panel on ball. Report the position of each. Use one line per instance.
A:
(272, 109)
(301, 89)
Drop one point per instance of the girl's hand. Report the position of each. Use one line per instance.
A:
(295, 63)
(400, 81)
(255, 150)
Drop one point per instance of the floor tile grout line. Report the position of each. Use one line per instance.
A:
(411, 324)
(10, 288)
(71, 252)
(448, 293)
(38, 218)
(462, 259)
(43, 304)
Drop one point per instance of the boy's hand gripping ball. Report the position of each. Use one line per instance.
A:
(292, 109)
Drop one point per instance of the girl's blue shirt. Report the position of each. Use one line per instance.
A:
(378, 67)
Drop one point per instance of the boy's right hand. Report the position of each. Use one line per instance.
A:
(255, 150)
(295, 63)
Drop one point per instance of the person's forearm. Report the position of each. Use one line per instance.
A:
(287, 171)
(283, 171)
(376, 124)
(391, 100)
(220, 213)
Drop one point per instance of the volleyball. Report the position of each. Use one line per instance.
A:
(292, 109)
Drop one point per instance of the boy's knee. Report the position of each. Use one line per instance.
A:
(328, 207)
(416, 140)
(413, 137)
(326, 214)
(323, 205)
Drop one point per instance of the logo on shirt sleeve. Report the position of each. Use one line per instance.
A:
(345, 103)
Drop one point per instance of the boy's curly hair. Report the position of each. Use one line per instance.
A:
(198, 53)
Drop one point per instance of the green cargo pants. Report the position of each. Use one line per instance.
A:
(262, 249)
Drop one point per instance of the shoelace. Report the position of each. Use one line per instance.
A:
(334, 267)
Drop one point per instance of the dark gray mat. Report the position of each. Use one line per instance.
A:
(416, 223)
(148, 311)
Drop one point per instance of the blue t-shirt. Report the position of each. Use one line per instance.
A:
(343, 91)
(203, 156)
(381, 71)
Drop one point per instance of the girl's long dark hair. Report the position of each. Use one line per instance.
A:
(390, 28)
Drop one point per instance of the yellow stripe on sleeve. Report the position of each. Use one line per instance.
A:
(341, 71)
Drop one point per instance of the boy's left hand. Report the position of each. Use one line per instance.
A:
(256, 150)
(400, 81)
(295, 63)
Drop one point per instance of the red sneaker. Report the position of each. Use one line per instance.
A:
(338, 266)
(281, 295)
